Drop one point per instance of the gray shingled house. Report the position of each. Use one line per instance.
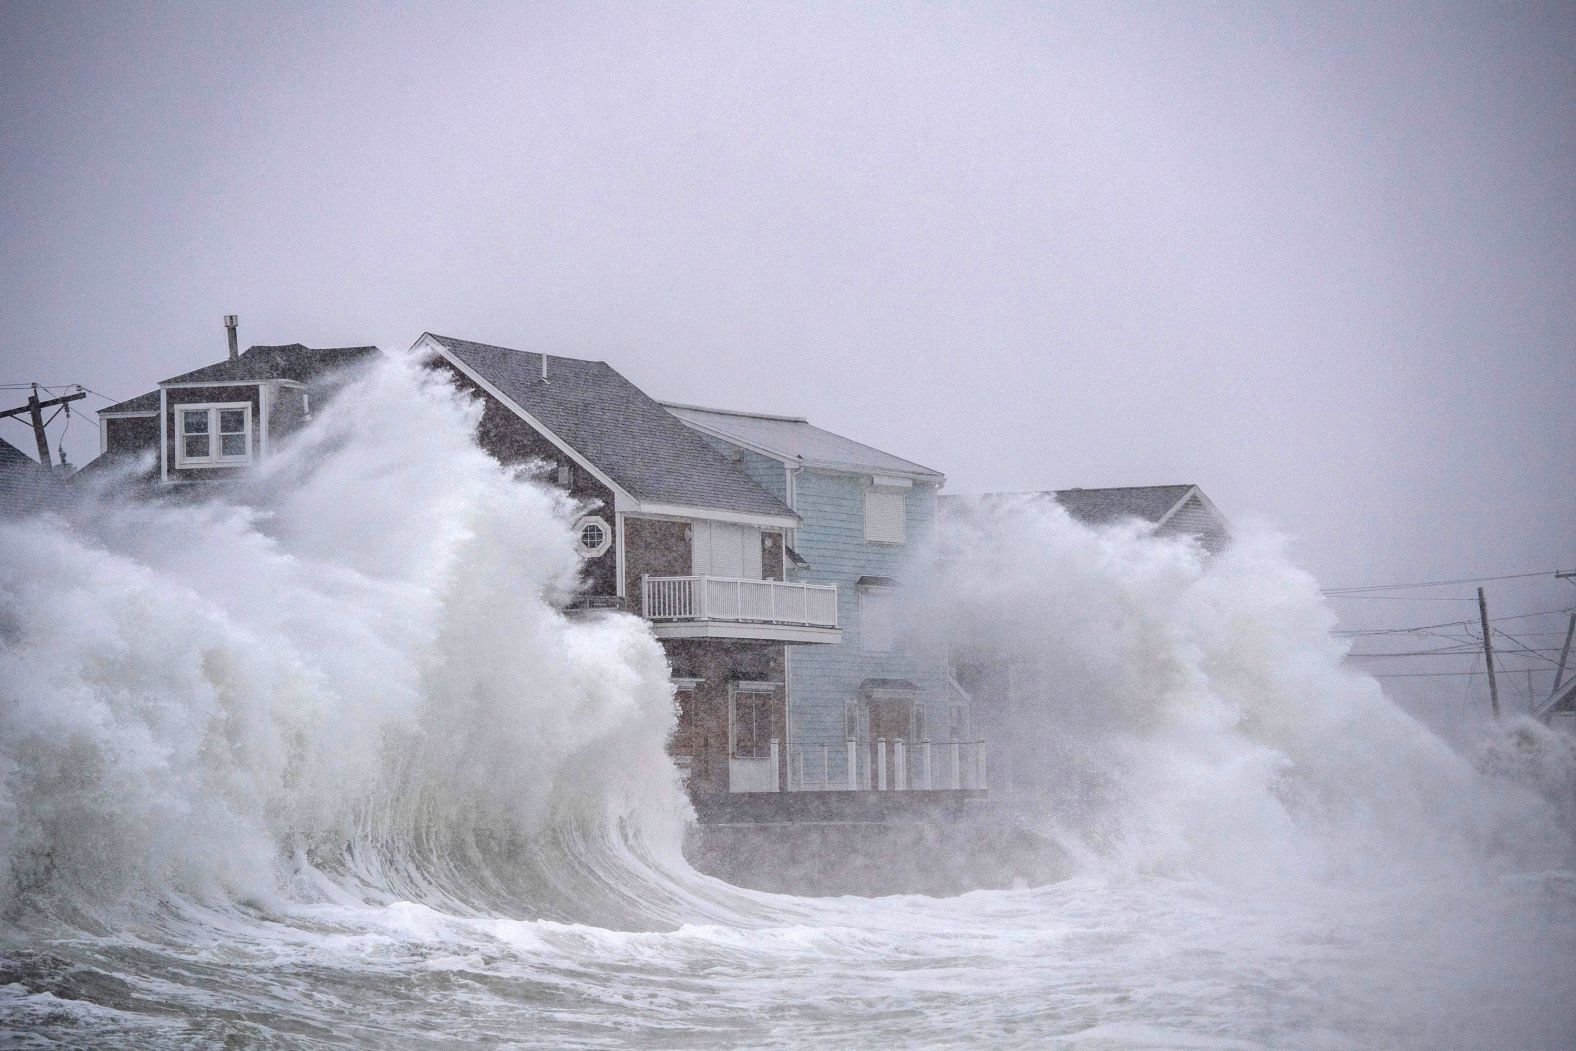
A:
(672, 530)
(214, 422)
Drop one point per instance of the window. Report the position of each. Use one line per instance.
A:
(213, 435)
(566, 475)
(886, 512)
(592, 536)
(752, 725)
(877, 620)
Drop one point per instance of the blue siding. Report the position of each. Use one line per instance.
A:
(825, 678)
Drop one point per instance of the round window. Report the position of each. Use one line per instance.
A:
(592, 536)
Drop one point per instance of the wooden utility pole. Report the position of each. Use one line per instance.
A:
(35, 408)
(1488, 654)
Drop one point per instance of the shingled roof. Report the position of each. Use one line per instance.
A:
(148, 402)
(291, 361)
(626, 435)
(796, 440)
(1100, 506)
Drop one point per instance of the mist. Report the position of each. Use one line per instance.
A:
(325, 757)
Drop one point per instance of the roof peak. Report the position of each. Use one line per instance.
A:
(1118, 488)
(511, 350)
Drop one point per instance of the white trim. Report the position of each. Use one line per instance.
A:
(103, 436)
(718, 515)
(620, 588)
(684, 682)
(607, 536)
(262, 418)
(716, 629)
(787, 705)
(755, 686)
(1204, 501)
(791, 489)
(164, 438)
(125, 415)
(622, 498)
(882, 481)
(215, 457)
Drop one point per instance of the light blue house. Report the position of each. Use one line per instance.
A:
(870, 712)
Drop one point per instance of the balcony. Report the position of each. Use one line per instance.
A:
(706, 607)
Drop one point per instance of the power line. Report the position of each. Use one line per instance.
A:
(1433, 583)
(1421, 674)
(1355, 632)
(1523, 648)
(1397, 598)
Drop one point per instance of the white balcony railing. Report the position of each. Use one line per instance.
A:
(735, 599)
(888, 766)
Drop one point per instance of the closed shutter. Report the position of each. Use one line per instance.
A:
(886, 512)
(723, 549)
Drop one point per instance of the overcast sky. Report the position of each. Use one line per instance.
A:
(1315, 258)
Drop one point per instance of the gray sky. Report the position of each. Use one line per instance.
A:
(1318, 259)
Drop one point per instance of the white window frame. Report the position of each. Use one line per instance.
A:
(763, 694)
(607, 536)
(215, 457)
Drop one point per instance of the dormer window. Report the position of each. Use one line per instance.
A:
(213, 435)
(593, 536)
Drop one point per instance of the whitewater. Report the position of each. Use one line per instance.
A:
(317, 760)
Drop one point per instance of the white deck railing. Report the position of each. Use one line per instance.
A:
(736, 599)
(888, 766)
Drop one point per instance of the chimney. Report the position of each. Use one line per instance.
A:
(230, 323)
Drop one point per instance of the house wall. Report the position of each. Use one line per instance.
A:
(703, 732)
(131, 434)
(823, 679)
(654, 547)
(286, 414)
(177, 396)
(514, 442)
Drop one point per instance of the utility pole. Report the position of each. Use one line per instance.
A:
(1488, 654)
(1565, 651)
(35, 408)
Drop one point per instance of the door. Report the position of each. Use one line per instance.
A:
(724, 549)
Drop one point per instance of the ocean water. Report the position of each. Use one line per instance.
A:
(316, 762)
